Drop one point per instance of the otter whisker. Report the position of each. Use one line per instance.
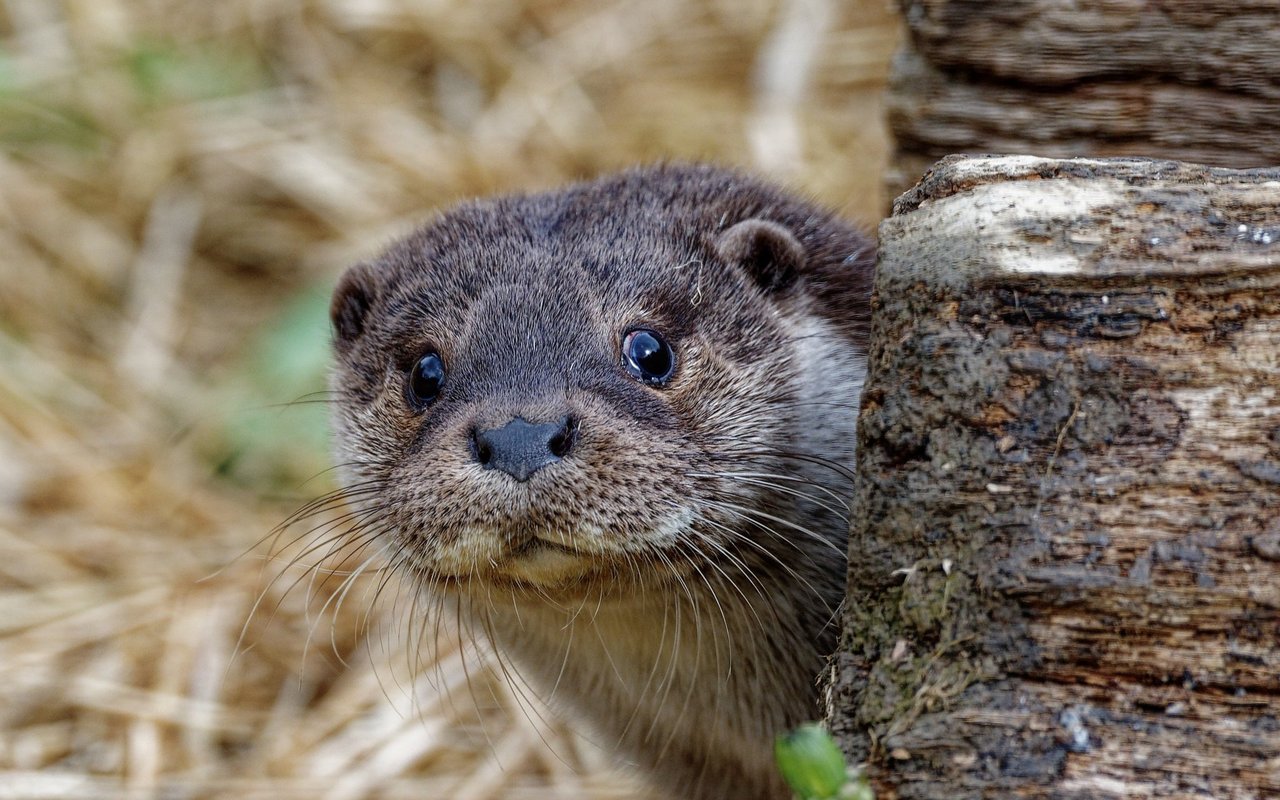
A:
(843, 516)
(653, 671)
(262, 595)
(677, 639)
(741, 566)
(350, 546)
(738, 535)
(715, 598)
(461, 623)
(336, 599)
(696, 612)
(353, 518)
(363, 529)
(692, 685)
(518, 685)
(808, 458)
(339, 495)
(337, 498)
(843, 500)
(808, 533)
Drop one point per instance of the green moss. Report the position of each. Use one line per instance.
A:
(916, 640)
(922, 607)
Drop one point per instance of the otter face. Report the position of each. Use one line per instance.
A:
(564, 392)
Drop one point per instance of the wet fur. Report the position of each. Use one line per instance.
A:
(690, 621)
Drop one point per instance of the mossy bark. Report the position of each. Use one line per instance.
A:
(1064, 567)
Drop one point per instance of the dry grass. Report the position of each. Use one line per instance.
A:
(173, 174)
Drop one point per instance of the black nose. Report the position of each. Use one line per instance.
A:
(522, 448)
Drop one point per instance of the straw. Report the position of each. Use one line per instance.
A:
(173, 176)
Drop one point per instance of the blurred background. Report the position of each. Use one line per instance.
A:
(180, 184)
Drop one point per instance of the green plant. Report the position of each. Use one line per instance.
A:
(813, 766)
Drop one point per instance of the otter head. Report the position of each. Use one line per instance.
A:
(597, 389)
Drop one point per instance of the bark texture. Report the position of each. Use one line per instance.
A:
(1195, 80)
(1064, 575)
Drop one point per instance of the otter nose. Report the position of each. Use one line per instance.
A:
(521, 448)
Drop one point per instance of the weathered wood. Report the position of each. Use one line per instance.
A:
(1065, 556)
(1193, 80)
(1230, 45)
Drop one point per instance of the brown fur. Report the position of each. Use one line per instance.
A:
(685, 607)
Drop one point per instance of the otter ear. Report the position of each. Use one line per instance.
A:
(770, 253)
(352, 298)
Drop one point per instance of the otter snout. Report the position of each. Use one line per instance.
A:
(521, 448)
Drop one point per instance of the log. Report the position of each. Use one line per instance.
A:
(1064, 563)
(1193, 80)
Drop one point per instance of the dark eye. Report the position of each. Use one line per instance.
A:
(647, 356)
(425, 380)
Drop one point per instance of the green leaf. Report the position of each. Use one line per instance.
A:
(810, 762)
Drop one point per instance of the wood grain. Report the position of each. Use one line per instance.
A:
(1191, 80)
(1232, 46)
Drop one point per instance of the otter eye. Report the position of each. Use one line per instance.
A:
(647, 356)
(425, 380)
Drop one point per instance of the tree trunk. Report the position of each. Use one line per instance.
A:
(1064, 576)
(1194, 80)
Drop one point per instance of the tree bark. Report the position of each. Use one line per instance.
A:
(1194, 80)
(1064, 576)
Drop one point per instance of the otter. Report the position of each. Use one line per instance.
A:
(613, 425)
